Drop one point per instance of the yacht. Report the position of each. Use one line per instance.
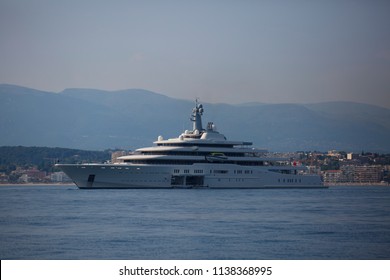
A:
(197, 158)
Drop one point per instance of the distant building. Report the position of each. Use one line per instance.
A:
(23, 178)
(349, 172)
(312, 169)
(364, 174)
(31, 175)
(35, 175)
(59, 177)
(352, 156)
(333, 176)
(386, 173)
(368, 174)
(334, 153)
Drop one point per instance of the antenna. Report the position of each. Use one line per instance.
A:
(196, 101)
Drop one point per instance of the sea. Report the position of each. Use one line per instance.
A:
(52, 222)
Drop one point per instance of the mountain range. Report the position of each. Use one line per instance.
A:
(96, 119)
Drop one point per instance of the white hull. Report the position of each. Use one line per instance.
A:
(218, 176)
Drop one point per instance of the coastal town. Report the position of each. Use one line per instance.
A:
(335, 168)
(341, 168)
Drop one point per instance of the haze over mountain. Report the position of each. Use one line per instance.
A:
(96, 119)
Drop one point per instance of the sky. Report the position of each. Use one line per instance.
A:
(220, 51)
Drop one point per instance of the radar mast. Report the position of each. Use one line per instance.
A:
(196, 116)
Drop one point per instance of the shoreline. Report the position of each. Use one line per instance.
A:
(36, 184)
(73, 184)
(357, 184)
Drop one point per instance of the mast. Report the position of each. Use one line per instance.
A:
(196, 116)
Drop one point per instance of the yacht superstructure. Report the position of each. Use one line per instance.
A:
(198, 158)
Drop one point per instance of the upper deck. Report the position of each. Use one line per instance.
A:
(199, 136)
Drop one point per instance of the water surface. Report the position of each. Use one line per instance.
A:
(63, 222)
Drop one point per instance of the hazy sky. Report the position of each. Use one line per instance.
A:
(221, 51)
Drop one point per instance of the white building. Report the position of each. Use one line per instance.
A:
(59, 177)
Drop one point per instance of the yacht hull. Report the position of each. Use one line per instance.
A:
(216, 176)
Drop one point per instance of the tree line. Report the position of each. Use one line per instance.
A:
(44, 158)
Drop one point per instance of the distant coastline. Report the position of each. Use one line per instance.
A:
(36, 184)
(383, 184)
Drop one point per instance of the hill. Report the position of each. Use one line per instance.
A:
(96, 120)
(44, 158)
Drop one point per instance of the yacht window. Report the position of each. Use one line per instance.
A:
(221, 171)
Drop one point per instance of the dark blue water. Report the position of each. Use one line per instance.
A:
(57, 222)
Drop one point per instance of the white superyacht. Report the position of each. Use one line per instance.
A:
(198, 158)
